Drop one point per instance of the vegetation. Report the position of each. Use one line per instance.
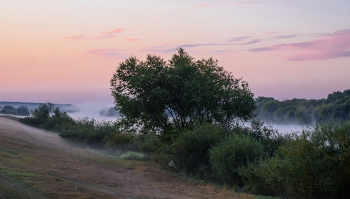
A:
(22, 110)
(167, 120)
(303, 111)
(171, 96)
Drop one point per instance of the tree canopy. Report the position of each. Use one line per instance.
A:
(174, 94)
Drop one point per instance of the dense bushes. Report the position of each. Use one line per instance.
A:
(313, 163)
(191, 149)
(232, 154)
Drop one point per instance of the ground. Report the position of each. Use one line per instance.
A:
(39, 164)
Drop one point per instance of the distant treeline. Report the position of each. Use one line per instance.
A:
(32, 106)
(335, 107)
(22, 110)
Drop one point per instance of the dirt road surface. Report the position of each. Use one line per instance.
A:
(39, 164)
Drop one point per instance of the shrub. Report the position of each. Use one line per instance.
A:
(191, 149)
(148, 142)
(43, 111)
(315, 163)
(56, 123)
(232, 154)
(120, 141)
(89, 131)
(36, 122)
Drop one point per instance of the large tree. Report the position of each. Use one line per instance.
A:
(156, 94)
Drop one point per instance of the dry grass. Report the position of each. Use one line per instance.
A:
(38, 164)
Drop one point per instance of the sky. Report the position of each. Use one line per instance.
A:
(67, 51)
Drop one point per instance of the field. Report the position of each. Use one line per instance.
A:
(39, 164)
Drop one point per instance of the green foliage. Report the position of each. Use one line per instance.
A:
(233, 154)
(22, 110)
(36, 122)
(56, 123)
(302, 111)
(315, 163)
(88, 131)
(162, 96)
(43, 111)
(120, 141)
(191, 149)
(9, 110)
(148, 142)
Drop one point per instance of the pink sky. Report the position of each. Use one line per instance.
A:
(66, 51)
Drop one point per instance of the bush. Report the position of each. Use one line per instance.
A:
(56, 123)
(267, 136)
(148, 142)
(315, 163)
(232, 154)
(43, 111)
(191, 149)
(120, 141)
(89, 131)
(36, 122)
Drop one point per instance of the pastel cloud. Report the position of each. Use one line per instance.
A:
(332, 46)
(254, 41)
(238, 39)
(105, 35)
(285, 36)
(113, 31)
(106, 53)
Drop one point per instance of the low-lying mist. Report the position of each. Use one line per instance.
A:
(92, 110)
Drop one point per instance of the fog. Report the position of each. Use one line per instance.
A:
(289, 128)
(92, 111)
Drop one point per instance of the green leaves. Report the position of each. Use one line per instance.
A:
(173, 95)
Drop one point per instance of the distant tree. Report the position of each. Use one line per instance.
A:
(263, 99)
(156, 94)
(23, 110)
(9, 109)
(43, 111)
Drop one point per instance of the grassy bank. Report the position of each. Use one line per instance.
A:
(255, 159)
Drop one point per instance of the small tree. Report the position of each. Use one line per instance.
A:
(156, 94)
(43, 111)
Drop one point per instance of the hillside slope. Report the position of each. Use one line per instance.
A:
(39, 164)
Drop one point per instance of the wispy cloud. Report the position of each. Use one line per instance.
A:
(104, 35)
(133, 39)
(332, 46)
(238, 39)
(254, 41)
(106, 53)
(285, 36)
(113, 31)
